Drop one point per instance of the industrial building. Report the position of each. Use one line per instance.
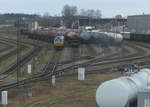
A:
(139, 24)
(85, 21)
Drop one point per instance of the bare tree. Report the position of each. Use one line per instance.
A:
(98, 13)
(69, 14)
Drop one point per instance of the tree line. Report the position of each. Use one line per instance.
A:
(68, 18)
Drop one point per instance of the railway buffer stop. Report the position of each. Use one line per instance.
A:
(144, 98)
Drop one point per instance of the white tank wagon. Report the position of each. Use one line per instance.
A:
(115, 36)
(126, 35)
(102, 37)
(86, 35)
(122, 91)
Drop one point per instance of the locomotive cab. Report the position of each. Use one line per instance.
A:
(59, 42)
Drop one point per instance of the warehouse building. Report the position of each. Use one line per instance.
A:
(85, 21)
(139, 24)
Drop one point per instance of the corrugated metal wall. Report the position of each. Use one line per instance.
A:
(139, 24)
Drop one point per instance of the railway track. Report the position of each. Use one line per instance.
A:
(67, 69)
(23, 60)
(139, 53)
(79, 54)
(52, 64)
(12, 52)
(6, 47)
(106, 61)
(109, 53)
(48, 71)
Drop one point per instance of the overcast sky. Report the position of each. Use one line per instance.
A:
(109, 8)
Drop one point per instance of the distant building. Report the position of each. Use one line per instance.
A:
(35, 25)
(85, 21)
(139, 23)
(117, 29)
(118, 16)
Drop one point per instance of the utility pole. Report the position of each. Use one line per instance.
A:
(18, 49)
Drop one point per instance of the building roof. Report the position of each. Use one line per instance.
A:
(139, 15)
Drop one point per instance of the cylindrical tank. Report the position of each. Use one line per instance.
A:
(86, 36)
(73, 35)
(102, 37)
(119, 92)
(117, 38)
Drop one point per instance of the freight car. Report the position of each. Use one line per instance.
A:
(58, 42)
(87, 37)
(104, 38)
(73, 39)
(126, 35)
(140, 37)
(123, 91)
(136, 37)
(42, 35)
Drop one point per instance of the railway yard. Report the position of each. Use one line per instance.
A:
(100, 62)
(74, 53)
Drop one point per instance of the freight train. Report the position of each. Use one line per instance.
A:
(74, 37)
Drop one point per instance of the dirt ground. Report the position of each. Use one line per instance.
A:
(68, 92)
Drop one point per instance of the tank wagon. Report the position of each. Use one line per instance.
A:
(122, 91)
(140, 37)
(115, 37)
(73, 39)
(105, 38)
(136, 37)
(126, 35)
(44, 35)
(87, 37)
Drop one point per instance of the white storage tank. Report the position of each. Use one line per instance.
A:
(119, 92)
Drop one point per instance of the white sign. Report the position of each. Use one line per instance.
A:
(29, 92)
(29, 68)
(53, 80)
(81, 73)
(4, 97)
